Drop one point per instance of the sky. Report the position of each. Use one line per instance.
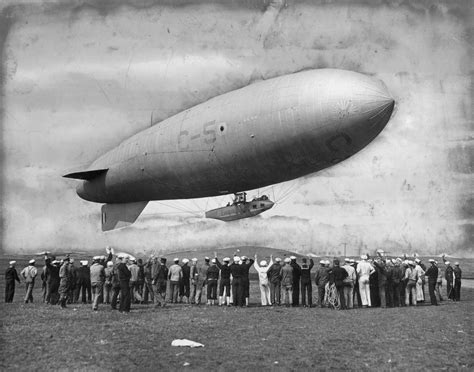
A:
(78, 77)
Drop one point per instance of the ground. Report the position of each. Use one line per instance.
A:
(38, 336)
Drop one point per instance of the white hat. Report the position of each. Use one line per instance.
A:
(185, 260)
(347, 259)
(456, 263)
(322, 262)
(364, 257)
(243, 258)
(110, 263)
(71, 260)
(84, 263)
(226, 259)
(417, 260)
(55, 262)
(327, 262)
(431, 260)
(411, 263)
(292, 258)
(287, 259)
(206, 258)
(263, 263)
(194, 259)
(176, 259)
(447, 262)
(278, 259)
(32, 261)
(213, 260)
(236, 258)
(12, 262)
(96, 258)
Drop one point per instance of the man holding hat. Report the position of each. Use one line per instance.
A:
(29, 274)
(11, 276)
(432, 274)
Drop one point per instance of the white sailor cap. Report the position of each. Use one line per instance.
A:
(226, 259)
(447, 263)
(292, 257)
(236, 258)
(32, 261)
(278, 259)
(194, 259)
(347, 259)
(263, 263)
(243, 258)
(322, 262)
(363, 257)
(287, 260)
(110, 263)
(176, 259)
(417, 260)
(84, 263)
(206, 258)
(55, 262)
(96, 258)
(431, 260)
(12, 262)
(411, 263)
(213, 260)
(456, 263)
(184, 260)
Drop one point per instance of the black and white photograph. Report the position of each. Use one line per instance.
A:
(237, 185)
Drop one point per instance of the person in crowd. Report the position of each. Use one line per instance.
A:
(321, 279)
(52, 282)
(184, 283)
(224, 283)
(296, 282)
(356, 292)
(397, 276)
(148, 293)
(237, 289)
(44, 287)
(134, 285)
(175, 275)
(124, 276)
(274, 278)
(212, 279)
(306, 286)
(97, 281)
(83, 283)
(457, 281)
(246, 265)
(287, 282)
(411, 278)
(108, 271)
(263, 282)
(338, 275)
(449, 276)
(380, 268)
(200, 280)
(160, 281)
(29, 274)
(432, 274)
(420, 295)
(115, 284)
(349, 282)
(72, 281)
(403, 283)
(364, 271)
(11, 276)
(65, 281)
(140, 279)
(439, 283)
(193, 275)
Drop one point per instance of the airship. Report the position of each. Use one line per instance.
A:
(265, 133)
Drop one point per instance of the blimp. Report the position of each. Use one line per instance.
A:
(265, 133)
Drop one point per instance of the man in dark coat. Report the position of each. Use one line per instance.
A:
(449, 276)
(160, 282)
(306, 287)
(457, 281)
(432, 274)
(124, 276)
(321, 279)
(246, 265)
(296, 282)
(339, 274)
(52, 282)
(237, 273)
(11, 276)
(83, 283)
(274, 278)
(184, 285)
(224, 283)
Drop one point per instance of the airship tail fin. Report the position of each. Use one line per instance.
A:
(116, 216)
(86, 174)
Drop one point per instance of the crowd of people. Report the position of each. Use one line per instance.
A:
(120, 280)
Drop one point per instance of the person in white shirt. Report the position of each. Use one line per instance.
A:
(29, 274)
(262, 270)
(364, 270)
(420, 296)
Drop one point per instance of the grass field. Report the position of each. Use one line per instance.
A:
(37, 336)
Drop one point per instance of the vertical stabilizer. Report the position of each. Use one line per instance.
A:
(116, 216)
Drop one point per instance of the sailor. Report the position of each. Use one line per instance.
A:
(420, 294)
(108, 282)
(339, 275)
(380, 267)
(193, 275)
(184, 283)
(287, 282)
(29, 274)
(364, 270)
(11, 276)
(349, 283)
(212, 278)
(224, 283)
(306, 286)
(439, 282)
(274, 277)
(296, 282)
(64, 282)
(449, 276)
(457, 281)
(246, 265)
(134, 285)
(262, 271)
(237, 273)
(321, 279)
(160, 281)
(83, 283)
(201, 279)
(411, 277)
(432, 274)
(148, 292)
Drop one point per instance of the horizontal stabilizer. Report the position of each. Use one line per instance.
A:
(87, 174)
(116, 216)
